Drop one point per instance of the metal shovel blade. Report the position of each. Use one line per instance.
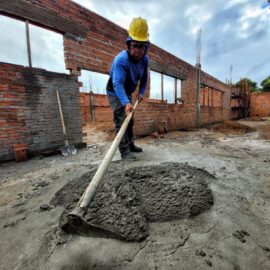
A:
(68, 150)
(75, 223)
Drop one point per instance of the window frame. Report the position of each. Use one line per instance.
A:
(177, 100)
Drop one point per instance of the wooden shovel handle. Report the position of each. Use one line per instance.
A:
(91, 189)
(61, 113)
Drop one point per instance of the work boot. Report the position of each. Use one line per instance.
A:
(134, 148)
(127, 156)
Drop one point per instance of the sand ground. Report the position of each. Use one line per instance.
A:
(232, 234)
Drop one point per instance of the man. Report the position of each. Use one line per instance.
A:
(129, 68)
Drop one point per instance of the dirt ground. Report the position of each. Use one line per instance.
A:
(232, 234)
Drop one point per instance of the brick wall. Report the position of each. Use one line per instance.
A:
(29, 111)
(95, 49)
(149, 114)
(104, 40)
(235, 114)
(260, 104)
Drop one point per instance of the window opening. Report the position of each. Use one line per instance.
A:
(13, 41)
(93, 81)
(47, 47)
(169, 89)
(155, 85)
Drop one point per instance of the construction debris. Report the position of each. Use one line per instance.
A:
(233, 128)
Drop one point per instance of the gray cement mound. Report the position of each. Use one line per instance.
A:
(128, 198)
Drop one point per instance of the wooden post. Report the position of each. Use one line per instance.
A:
(204, 102)
(92, 106)
(208, 91)
(28, 43)
(175, 90)
(212, 97)
(198, 94)
(162, 88)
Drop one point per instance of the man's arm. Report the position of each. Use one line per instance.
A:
(129, 108)
(119, 77)
(143, 81)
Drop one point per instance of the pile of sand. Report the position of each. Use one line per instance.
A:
(231, 127)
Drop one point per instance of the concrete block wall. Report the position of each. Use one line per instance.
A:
(260, 104)
(29, 110)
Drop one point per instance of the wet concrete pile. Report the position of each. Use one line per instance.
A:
(129, 198)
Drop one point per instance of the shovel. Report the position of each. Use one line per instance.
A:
(74, 221)
(66, 150)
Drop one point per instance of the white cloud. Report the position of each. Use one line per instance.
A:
(234, 32)
(197, 16)
(87, 4)
(232, 3)
(252, 18)
(226, 27)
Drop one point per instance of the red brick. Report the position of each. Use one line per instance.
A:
(260, 104)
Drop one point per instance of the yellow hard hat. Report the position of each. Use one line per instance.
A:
(138, 30)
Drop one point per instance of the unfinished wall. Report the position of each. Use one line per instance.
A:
(104, 40)
(91, 42)
(260, 104)
(29, 111)
(214, 104)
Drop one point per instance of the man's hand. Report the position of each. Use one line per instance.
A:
(140, 98)
(129, 108)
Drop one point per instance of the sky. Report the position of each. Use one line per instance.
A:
(234, 32)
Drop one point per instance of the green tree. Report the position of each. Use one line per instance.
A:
(266, 84)
(253, 84)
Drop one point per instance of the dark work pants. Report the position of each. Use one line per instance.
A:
(119, 118)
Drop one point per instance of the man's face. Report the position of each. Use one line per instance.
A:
(137, 50)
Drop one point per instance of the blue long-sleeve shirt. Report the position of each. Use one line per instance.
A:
(126, 74)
